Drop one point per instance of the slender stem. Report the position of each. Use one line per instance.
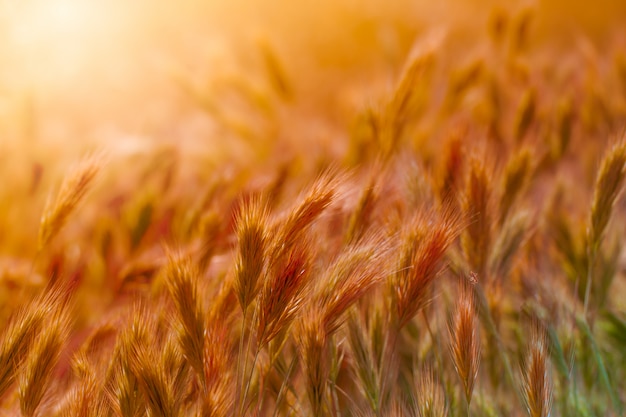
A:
(436, 341)
(491, 327)
(386, 364)
(240, 376)
(591, 254)
(245, 392)
(284, 386)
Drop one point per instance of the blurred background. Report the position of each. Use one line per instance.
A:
(79, 73)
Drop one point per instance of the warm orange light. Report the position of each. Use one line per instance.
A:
(50, 41)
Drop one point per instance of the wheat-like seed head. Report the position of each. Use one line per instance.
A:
(537, 379)
(282, 295)
(419, 264)
(182, 281)
(38, 369)
(250, 261)
(476, 239)
(608, 186)
(516, 175)
(430, 399)
(72, 191)
(465, 340)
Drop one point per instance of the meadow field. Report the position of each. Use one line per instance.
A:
(349, 208)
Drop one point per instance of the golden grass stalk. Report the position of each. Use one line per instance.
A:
(451, 172)
(362, 215)
(82, 400)
(72, 192)
(20, 336)
(351, 276)
(39, 366)
(511, 237)
(476, 239)
(430, 399)
(516, 175)
(419, 264)
(218, 398)
(609, 183)
(465, 340)
(363, 362)
(312, 339)
(537, 380)
(355, 272)
(250, 261)
(182, 282)
(291, 229)
(409, 96)
(525, 114)
(282, 295)
(146, 365)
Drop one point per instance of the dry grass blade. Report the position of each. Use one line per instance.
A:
(182, 279)
(465, 340)
(250, 261)
(72, 191)
(537, 380)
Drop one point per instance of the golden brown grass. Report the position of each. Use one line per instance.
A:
(73, 190)
(308, 264)
(537, 378)
(465, 344)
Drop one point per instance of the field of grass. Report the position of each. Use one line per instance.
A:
(402, 209)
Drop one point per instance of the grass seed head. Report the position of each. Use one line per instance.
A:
(537, 379)
(465, 339)
(608, 186)
(250, 261)
(72, 192)
(182, 280)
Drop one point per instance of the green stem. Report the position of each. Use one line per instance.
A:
(491, 327)
(604, 376)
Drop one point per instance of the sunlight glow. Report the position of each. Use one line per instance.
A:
(60, 36)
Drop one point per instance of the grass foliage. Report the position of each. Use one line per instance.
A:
(455, 247)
